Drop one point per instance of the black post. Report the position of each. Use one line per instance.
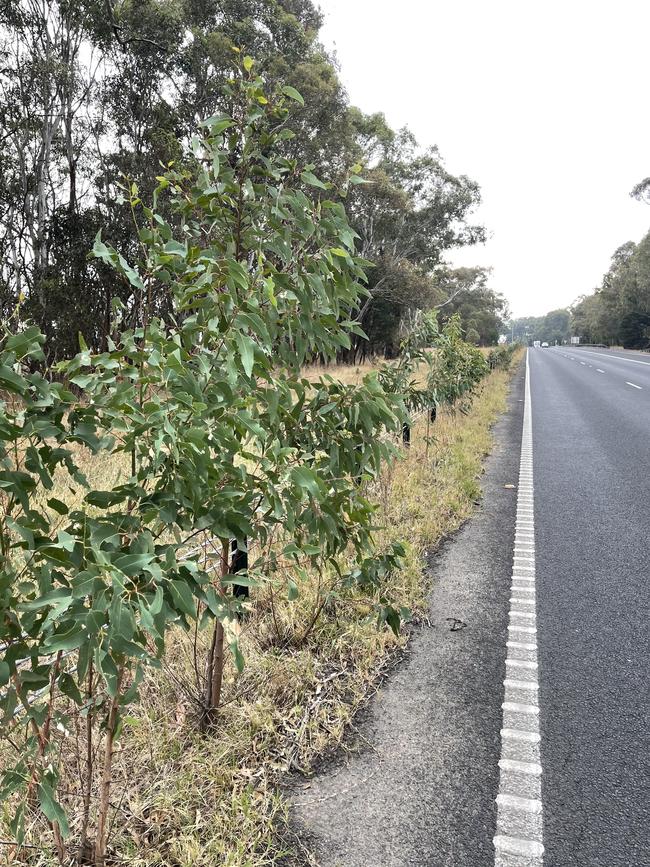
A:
(406, 433)
(239, 563)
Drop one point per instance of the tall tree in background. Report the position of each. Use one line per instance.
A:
(410, 214)
(619, 310)
(483, 311)
(95, 90)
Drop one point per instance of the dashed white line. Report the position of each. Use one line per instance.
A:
(518, 841)
(633, 385)
(599, 370)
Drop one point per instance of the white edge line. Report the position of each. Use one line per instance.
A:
(512, 799)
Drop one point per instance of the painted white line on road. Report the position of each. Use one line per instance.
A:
(599, 370)
(633, 385)
(518, 707)
(530, 685)
(530, 805)
(527, 850)
(522, 663)
(521, 735)
(619, 357)
(518, 767)
(583, 363)
(518, 843)
(525, 630)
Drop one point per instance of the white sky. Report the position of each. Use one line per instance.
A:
(545, 104)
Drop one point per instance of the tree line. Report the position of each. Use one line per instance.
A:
(618, 312)
(99, 96)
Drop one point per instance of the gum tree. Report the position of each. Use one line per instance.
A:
(220, 437)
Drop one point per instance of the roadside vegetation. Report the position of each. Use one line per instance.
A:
(241, 395)
(185, 799)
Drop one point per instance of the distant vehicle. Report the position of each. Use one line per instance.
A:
(536, 344)
(544, 344)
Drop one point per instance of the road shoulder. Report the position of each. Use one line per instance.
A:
(417, 783)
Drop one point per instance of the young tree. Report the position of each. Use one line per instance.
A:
(225, 440)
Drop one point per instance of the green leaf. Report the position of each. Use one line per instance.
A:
(71, 639)
(104, 499)
(246, 346)
(51, 807)
(5, 673)
(218, 124)
(248, 63)
(174, 248)
(292, 93)
(58, 506)
(183, 599)
(307, 479)
(313, 181)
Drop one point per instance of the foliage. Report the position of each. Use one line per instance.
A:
(619, 310)
(408, 216)
(554, 327)
(224, 437)
(436, 366)
(482, 310)
(501, 357)
(459, 367)
(98, 89)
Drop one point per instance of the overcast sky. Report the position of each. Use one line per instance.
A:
(545, 104)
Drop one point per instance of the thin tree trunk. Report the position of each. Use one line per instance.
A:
(105, 789)
(216, 654)
(84, 848)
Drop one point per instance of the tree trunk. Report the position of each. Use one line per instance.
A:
(215, 661)
(105, 789)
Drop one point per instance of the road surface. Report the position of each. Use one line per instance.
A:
(529, 724)
(591, 433)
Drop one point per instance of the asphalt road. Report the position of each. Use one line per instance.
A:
(591, 438)
(417, 783)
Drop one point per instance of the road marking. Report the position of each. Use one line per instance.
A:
(527, 630)
(522, 663)
(583, 363)
(517, 767)
(518, 780)
(599, 370)
(620, 357)
(633, 385)
(530, 805)
(521, 684)
(521, 735)
(527, 850)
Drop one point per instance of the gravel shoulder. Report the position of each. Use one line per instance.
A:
(416, 783)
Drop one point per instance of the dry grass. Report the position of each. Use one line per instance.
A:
(182, 800)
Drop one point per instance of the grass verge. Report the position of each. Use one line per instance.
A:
(183, 800)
